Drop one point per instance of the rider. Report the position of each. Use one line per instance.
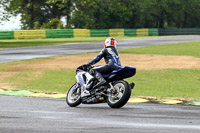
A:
(112, 59)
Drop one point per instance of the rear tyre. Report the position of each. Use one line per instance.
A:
(73, 97)
(121, 96)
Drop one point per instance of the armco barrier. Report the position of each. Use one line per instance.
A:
(142, 32)
(130, 32)
(81, 33)
(99, 32)
(153, 32)
(64, 33)
(68, 33)
(30, 34)
(6, 35)
(183, 31)
(116, 32)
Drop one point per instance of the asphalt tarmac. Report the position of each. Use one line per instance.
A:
(14, 54)
(38, 115)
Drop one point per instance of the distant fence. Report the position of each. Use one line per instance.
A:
(69, 33)
(30, 34)
(64, 33)
(6, 35)
(183, 31)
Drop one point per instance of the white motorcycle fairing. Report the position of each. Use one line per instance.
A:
(116, 92)
(84, 79)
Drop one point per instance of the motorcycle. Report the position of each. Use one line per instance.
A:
(116, 92)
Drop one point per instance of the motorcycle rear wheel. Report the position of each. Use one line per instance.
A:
(121, 96)
(73, 97)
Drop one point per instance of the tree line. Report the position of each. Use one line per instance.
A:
(104, 14)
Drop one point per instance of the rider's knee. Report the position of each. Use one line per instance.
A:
(92, 71)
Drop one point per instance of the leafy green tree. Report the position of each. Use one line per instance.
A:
(61, 8)
(41, 11)
(54, 24)
(36, 25)
(191, 13)
(4, 15)
(30, 10)
(101, 14)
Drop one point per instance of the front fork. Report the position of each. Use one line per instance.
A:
(78, 90)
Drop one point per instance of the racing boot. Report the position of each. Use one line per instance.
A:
(101, 80)
(90, 84)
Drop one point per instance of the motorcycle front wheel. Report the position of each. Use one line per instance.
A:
(120, 96)
(73, 97)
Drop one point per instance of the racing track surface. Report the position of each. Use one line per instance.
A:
(37, 115)
(13, 54)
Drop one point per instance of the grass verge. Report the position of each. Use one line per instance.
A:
(183, 83)
(45, 81)
(188, 49)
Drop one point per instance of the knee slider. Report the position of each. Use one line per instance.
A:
(92, 72)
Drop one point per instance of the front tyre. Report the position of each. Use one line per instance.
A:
(121, 95)
(73, 97)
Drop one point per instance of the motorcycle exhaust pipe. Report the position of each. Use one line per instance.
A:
(131, 85)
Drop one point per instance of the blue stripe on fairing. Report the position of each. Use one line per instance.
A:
(133, 70)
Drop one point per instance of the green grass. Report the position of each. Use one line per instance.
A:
(188, 49)
(42, 42)
(45, 81)
(49, 81)
(183, 83)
